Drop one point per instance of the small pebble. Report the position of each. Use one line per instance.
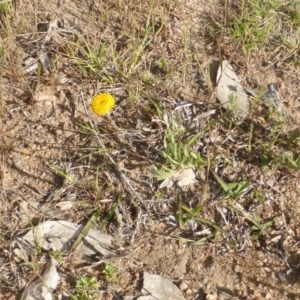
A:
(183, 286)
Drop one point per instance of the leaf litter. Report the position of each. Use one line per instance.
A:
(59, 235)
(42, 287)
(233, 95)
(183, 177)
(156, 265)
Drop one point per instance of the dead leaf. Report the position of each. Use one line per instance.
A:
(25, 151)
(42, 288)
(30, 64)
(229, 90)
(46, 208)
(59, 235)
(183, 177)
(159, 288)
(168, 183)
(66, 205)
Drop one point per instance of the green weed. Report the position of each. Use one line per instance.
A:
(281, 149)
(57, 254)
(86, 288)
(186, 214)
(239, 210)
(280, 161)
(233, 189)
(110, 272)
(62, 174)
(257, 231)
(182, 217)
(178, 151)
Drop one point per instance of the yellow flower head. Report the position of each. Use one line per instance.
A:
(102, 103)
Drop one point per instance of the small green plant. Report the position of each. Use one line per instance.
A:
(186, 214)
(110, 272)
(257, 230)
(233, 189)
(165, 66)
(148, 79)
(178, 155)
(162, 63)
(62, 173)
(233, 109)
(178, 152)
(4, 7)
(57, 255)
(91, 58)
(281, 150)
(258, 194)
(85, 230)
(182, 217)
(151, 30)
(280, 161)
(86, 288)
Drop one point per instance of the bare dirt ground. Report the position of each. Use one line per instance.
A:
(49, 69)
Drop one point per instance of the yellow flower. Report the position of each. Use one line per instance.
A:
(102, 103)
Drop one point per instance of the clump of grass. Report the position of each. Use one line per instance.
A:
(178, 150)
(271, 26)
(179, 154)
(279, 149)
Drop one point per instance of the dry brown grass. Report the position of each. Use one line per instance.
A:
(235, 228)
